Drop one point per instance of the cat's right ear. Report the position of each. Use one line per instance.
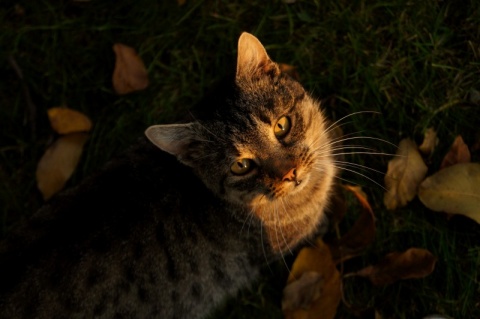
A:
(180, 140)
(253, 59)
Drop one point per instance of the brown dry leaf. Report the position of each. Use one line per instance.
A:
(454, 190)
(130, 74)
(360, 235)
(58, 163)
(458, 153)
(65, 121)
(313, 286)
(338, 206)
(430, 141)
(413, 263)
(405, 172)
(290, 70)
(181, 2)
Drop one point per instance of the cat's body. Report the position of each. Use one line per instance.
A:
(152, 244)
(151, 236)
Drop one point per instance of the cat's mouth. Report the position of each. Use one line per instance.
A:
(287, 188)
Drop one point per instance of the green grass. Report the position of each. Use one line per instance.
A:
(417, 63)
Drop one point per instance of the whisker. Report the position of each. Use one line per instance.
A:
(358, 166)
(360, 174)
(286, 213)
(332, 126)
(276, 235)
(368, 153)
(263, 247)
(358, 138)
(294, 223)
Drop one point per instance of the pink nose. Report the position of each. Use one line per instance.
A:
(291, 175)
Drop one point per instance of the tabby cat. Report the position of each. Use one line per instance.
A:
(179, 222)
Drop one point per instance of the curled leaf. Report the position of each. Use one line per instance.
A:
(65, 121)
(413, 263)
(454, 190)
(58, 163)
(313, 286)
(405, 172)
(130, 74)
(360, 235)
(430, 141)
(458, 153)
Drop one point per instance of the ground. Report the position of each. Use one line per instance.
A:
(416, 64)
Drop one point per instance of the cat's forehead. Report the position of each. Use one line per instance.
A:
(268, 95)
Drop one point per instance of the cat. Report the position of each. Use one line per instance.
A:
(185, 217)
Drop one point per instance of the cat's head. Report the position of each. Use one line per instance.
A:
(265, 146)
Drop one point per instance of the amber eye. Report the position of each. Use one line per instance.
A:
(282, 127)
(242, 166)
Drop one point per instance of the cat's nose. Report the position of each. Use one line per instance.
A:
(291, 176)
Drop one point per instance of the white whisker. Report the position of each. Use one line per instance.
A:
(332, 126)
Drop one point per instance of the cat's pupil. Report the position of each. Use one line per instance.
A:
(282, 127)
(241, 167)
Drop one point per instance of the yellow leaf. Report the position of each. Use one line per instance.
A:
(65, 121)
(430, 141)
(405, 172)
(413, 263)
(454, 190)
(130, 74)
(313, 286)
(58, 163)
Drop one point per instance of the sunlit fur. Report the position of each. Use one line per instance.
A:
(239, 124)
(288, 212)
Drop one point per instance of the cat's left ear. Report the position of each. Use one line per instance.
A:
(180, 140)
(253, 59)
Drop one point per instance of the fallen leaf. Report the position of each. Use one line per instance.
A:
(338, 206)
(181, 2)
(454, 190)
(413, 263)
(130, 74)
(458, 153)
(58, 163)
(360, 235)
(430, 141)
(405, 172)
(303, 291)
(313, 286)
(290, 70)
(65, 121)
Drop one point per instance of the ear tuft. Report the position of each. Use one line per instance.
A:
(253, 58)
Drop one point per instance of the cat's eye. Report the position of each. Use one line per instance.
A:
(242, 166)
(282, 127)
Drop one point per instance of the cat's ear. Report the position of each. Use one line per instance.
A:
(180, 140)
(253, 59)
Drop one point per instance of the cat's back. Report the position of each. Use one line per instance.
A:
(121, 243)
